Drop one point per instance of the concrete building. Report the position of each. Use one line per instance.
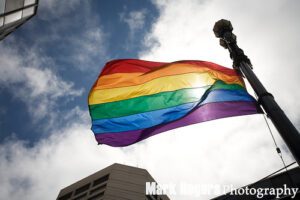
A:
(116, 182)
(14, 13)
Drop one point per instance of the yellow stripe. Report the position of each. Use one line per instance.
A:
(163, 84)
(130, 79)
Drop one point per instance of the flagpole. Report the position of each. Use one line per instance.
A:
(223, 30)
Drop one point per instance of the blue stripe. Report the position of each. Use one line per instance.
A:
(142, 120)
(153, 118)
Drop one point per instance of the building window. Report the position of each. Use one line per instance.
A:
(97, 189)
(97, 196)
(82, 189)
(13, 17)
(81, 197)
(2, 6)
(1, 21)
(101, 180)
(66, 196)
(150, 197)
(29, 2)
(13, 5)
(28, 12)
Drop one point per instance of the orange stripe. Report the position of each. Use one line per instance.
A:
(130, 79)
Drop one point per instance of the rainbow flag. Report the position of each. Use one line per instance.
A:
(135, 99)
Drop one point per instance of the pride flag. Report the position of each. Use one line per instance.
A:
(135, 99)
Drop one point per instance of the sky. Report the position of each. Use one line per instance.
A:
(48, 65)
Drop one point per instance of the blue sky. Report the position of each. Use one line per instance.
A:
(73, 44)
(48, 65)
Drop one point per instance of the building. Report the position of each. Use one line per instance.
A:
(14, 13)
(290, 178)
(116, 182)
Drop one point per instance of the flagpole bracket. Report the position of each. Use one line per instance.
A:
(265, 94)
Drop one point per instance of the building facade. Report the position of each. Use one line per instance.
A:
(116, 182)
(14, 13)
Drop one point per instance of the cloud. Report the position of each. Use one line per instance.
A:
(72, 30)
(197, 154)
(36, 173)
(134, 19)
(51, 9)
(31, 80)
(86, 48)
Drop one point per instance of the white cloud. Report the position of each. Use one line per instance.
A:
(37, 173)
(56, 9)
(134, 19)
(32, 81)
(75, 31)
(197, 154)
(87, 48)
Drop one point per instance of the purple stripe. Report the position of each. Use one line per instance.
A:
(204, 113)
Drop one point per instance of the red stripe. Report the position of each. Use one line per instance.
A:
(142, 66)
(130, 66)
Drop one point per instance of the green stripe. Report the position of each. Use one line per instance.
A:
(154, 102)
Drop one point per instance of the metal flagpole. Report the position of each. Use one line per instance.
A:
(223, 30)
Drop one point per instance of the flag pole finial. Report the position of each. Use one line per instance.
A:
(223, 30)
